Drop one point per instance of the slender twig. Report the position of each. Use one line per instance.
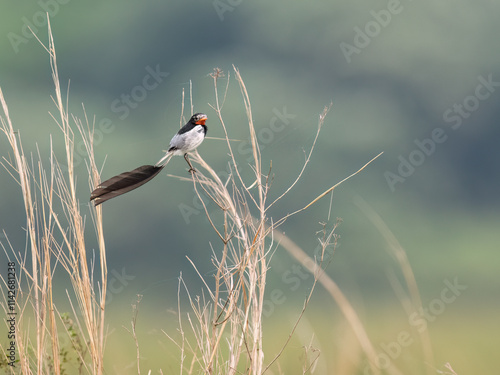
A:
(284, 218)
(133, 323)
(320, 124)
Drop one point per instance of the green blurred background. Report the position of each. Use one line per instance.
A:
(397, 73)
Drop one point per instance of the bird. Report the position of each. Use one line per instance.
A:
(187, 139)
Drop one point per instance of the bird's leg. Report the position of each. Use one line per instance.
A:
(191, 169)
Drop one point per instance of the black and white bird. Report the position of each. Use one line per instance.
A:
(187, 139)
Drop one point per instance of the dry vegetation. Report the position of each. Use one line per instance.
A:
(223, 331)
(227, 323)
(55, 237)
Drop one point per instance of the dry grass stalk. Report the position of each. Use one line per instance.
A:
(231, 311)
(56, 238)
(133, 332)
(413, 302)
(339, 297)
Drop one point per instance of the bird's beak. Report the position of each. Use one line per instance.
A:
(201, 121)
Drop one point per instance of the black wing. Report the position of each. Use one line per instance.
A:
(189, 126)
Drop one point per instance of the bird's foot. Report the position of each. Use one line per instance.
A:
(191, 169)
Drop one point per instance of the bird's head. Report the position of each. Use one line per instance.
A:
(199, 118)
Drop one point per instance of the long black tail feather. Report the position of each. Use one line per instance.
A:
(123, 183)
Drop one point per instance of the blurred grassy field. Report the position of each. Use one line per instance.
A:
(463, 331)
(461, 336)
(393, 92)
